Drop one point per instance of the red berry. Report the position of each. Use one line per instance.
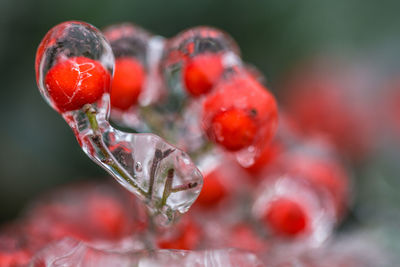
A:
(127, 84)
(201, 73)
(239, 112)
(286, 217)
(186, 238)
(213, 191)
(234, 129)
(75, 82)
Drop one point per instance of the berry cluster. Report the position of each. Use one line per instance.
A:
(264, 189)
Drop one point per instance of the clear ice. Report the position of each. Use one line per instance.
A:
(69, 252)
(161, 175)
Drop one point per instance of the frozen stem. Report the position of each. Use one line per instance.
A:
(159, 155)
(108, 158)
(167, 187)
(183, 187)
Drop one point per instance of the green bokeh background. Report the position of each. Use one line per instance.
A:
(38, 150)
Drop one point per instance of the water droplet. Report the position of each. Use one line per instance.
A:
(138, 166)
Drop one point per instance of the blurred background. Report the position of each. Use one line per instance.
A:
(38, 151)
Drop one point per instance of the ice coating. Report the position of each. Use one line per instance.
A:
(213, 47)
(196, 41)
(131, 42)
(220, 97)
(160, 174)
(128, 40)
(69, 252)
(67, 41)
(191, 43)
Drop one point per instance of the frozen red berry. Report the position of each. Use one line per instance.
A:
(239, 112)
(201, 72)
(76, 81)
(286, 217)
(127, 84)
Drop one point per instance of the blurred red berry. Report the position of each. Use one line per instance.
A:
(213, 191)
(127, 84)
(323, 103)
(201, 73)
(108, 216)
(85, 212)
(286, 217)
(243, 237)
(17, 258)
(76, 81)
(186, 235)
